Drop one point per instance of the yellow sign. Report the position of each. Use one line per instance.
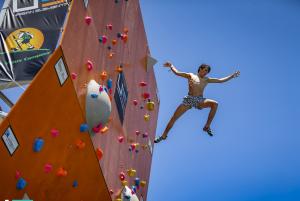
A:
(25, 39)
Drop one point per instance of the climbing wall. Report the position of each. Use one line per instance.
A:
(101, 41)
(46, 153)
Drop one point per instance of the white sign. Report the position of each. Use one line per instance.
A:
(61, 71)
(19, 5)
(10, 141)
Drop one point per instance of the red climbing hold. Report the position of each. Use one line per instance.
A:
(88, 20)
(99, 153)
(109, 26)
(89, 65)
(135, 102)
(74, 76)
(143, 84)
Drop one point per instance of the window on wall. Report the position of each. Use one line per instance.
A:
(121, 95)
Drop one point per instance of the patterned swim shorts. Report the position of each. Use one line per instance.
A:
(193, 101)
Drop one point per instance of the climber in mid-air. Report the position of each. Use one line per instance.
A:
(197, 83)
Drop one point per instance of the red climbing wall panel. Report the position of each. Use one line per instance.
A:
(80, 43)
(43, 106)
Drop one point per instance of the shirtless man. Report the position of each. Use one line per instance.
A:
(197, 84)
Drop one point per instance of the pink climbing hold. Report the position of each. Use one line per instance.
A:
(48, 168)
(122, 176)
(109, 26)
(145, 135)
(133, 146)
(18, 174)
(97, 128)
(120, 139)
(101, 89)
(135, 102)
(74, 76)
(54, 132)
(137, 132)
(104, 39)
(88, 20)
(89, 65)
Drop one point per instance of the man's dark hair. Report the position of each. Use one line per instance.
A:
(204, 66)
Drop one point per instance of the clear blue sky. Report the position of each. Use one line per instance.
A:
(254, 155)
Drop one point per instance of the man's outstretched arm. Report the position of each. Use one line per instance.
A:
(177, 72)
(224, 79)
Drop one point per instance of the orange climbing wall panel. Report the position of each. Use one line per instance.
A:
(43, 106)
(80, 43)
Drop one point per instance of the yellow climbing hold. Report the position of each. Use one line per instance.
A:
(131, 172)
(147, 117)
(150, 105)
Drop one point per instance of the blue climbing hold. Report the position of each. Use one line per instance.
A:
(94, 95)
(21, 184)
(109, 83)
(137, 181)
(38, 144)
(84, 128)
(75, 184)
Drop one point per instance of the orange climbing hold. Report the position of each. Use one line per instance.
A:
(61, 172)
(99, 153)
(114, 42)
(110, 55)
(103, 75)
(104, 129)
(80, 144)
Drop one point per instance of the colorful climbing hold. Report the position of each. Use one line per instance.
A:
(73, 76)
(137, 181)
(121, 139)
(125, 30)
(89, 65)
(143, 84)
(48, 168)
(114, 41)
(137, 132)
(84, 128)
(146, 117)
(99, 153)
(124, 183)
(94, 95)
(61, 172)
(145, 135)
(145, 95)
(104, 129)
(150, 105)
(135, 102)
(38, 144)
(21, 184)
(110, 55)
(124, 38)
(103, 39)
(80, 144)
(18, 174)
(122, 176)
(75, 184)
(110, 91)
(109, 83)
(143, 183)
(96, 129)
(111, 191)
(119, 69)
(131, 172)
(119, 35)
(109, 26)
(103, 75)
(88, 20)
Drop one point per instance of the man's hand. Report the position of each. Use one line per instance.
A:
(167, 64)
(236, 74)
